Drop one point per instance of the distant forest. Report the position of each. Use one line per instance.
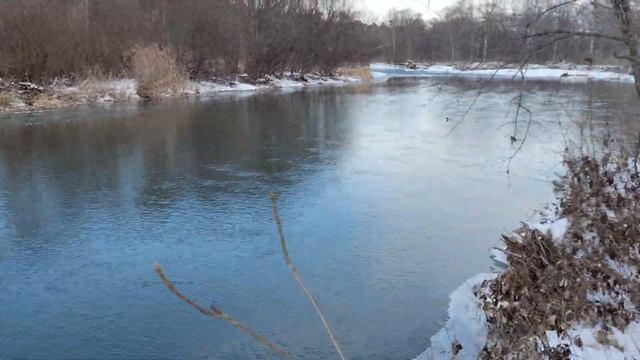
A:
(44, 39)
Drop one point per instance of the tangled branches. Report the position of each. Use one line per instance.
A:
(588, 275)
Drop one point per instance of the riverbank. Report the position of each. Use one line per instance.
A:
(552, 72)
(60, 93)
(570, 285)
(24, 96)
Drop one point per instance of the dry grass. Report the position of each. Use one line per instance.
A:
(47, 101)
(156, 72)
(8, 99)
(361, 72)
(94, 90)
(547, 283)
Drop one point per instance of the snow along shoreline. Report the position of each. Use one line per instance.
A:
(467, 323)
(30, 97)
(561, 72)
(26, 97)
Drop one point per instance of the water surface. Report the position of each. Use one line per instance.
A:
(385, 209)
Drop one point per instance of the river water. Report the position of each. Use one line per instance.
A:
(386, 211)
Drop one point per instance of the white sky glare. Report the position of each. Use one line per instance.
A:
(380, 8)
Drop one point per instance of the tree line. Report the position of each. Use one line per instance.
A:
(43, 39)
(535, 34)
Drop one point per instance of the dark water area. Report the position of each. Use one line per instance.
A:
(385, 209)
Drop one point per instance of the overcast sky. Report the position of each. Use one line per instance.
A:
(426, 7)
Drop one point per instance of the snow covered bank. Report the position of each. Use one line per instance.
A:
(563, 72)
(60, 94)
(465, 332)
(570, 287)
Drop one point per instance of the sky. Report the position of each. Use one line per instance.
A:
(379, 8)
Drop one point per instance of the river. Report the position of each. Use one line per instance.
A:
(385, 208)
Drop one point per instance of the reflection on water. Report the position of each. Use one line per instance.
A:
(384, 212)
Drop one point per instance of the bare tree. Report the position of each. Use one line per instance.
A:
(620, 13)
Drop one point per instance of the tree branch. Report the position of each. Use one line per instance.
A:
(575, 33)
(547, 10)
(626, 57)
(218, 314)
(298, 279)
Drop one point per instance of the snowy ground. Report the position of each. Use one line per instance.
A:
(562, 72)
(466, 326)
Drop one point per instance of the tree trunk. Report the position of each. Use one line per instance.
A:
(484, 48)
(627, 22)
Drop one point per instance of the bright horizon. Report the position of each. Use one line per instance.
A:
(380, 8)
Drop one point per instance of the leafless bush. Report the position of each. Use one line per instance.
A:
(547, 284)
(156, 71)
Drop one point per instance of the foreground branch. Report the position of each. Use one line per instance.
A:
(296, 276)
(219, 314)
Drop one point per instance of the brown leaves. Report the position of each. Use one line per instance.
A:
(550, 285)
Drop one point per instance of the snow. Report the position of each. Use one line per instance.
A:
(211, 87)
(291, 81)
(499, 256)
(565, 73)
(100, 91)
(556, 228)
(466, 325)
(625, 270)
(619, 344)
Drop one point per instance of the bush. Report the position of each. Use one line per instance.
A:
(587, 276)
(156, 71)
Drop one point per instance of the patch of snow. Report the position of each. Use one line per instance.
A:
(467, 325)
(531, 72)
(556, 229)
(620, 344)
(499, 256)
(293, 81)
(626, 270)
(211, 87)
(611, 299)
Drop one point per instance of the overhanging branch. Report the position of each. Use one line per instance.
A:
(576, 34)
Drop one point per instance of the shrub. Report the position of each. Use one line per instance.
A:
(588, 276)
(156, 71)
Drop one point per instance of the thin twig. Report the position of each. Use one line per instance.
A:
(475, 99)
(576, 34)
(547, 10)
(219, 314)
(298, 279)
(526, 132)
